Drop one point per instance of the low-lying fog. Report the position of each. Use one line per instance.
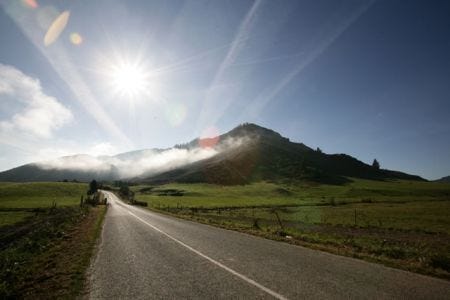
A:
(138, 163)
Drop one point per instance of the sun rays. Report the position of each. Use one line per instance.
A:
(129, 79)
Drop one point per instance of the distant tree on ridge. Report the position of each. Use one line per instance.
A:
(376, 164)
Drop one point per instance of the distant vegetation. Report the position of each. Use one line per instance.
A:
(127, 194)
(93, 187)
(400, 223)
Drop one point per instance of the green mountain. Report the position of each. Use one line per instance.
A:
(263, 154)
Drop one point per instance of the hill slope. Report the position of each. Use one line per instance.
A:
(445, 179)
(263, 154)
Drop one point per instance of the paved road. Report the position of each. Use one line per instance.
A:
(145, 255)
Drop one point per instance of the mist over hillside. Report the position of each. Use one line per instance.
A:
(126, 165)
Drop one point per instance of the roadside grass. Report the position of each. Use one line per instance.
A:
(45, 250)
(404, 224)
(423, 216)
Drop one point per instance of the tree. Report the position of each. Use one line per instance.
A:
(93, 187)
(319, 150)
(124, 190)
(376, 164)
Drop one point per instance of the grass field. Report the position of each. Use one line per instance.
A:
(46, 239)
(40, 194)
(263, 193)
(17, 200)
(400, 223)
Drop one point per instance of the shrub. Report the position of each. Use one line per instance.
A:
(256, 224)
(394, 252)
(332, 201)
(440, 261)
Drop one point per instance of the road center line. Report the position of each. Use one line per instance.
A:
(243, 277)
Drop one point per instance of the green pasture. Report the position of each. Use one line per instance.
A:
(272, 194)
(26, 196)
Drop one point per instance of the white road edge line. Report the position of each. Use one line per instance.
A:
(243, 277)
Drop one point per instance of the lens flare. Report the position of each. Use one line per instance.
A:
(209, 138)
(56, 28)
(76, 39)
(30, 3)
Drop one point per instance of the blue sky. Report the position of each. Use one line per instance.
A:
(366, 78)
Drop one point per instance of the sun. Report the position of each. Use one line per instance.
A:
(129, 79)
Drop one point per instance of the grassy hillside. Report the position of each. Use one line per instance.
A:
(400, 223)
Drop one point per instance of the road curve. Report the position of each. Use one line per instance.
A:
(146, 255)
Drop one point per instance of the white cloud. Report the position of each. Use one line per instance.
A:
(133, 164)
(140, 163)
(41, 114)
(155, 162)
(102, 149)
(59, 148)
(81, 162)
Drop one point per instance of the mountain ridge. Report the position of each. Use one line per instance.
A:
(271, 156)
(244, 154)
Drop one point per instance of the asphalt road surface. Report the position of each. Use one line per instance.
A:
(146, 255)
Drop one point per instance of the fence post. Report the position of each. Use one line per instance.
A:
(279, 220)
